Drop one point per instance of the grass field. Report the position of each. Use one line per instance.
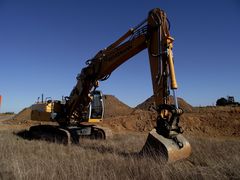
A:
(114, 159)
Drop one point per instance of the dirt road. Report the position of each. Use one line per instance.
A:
(5, 117)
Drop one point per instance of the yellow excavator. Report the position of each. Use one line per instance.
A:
(83, 110)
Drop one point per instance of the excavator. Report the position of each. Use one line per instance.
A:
(82, 112)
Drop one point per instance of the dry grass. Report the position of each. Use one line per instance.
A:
(114, 159)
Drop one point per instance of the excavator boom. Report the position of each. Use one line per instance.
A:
(153, 34)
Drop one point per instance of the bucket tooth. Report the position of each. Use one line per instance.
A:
(167, 148)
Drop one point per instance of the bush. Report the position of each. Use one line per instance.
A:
(221, 102)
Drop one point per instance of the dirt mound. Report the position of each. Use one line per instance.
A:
(19, 121)
(138, 120)
(149, 104)
(213, 121)
(205, 121)
(113, 107)
(202, 121)
(23, 115)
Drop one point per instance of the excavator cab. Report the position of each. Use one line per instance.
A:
(96, 109)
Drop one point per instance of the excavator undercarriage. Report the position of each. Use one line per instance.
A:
(68, 134)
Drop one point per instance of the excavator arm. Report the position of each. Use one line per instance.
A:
(153, 34)
(100, 68)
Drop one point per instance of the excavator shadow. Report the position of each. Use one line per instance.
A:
(152, 149)
(23, 134)
(89, 146)
(47, 133)
(53, 135)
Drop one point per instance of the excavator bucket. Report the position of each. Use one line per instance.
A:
(169, 149)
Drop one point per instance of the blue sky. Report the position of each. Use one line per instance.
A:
(44, 44)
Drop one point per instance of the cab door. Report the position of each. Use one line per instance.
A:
(96, 109)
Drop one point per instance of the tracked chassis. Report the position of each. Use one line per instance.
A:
(68, 135)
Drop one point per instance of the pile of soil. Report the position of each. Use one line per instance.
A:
(200, 121)
(139, 120)
(120, 116)
(23, 116)
(149, 104)
(113, 107)
(19, 121)
(212, 121)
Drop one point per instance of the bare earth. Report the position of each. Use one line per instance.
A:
(198, 121)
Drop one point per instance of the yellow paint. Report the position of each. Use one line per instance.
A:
(94, 120)
(171, 64)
